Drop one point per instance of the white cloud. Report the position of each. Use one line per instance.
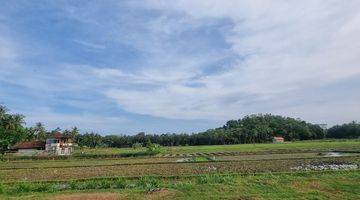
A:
(9, 50)
(283, 46)
(86, 121)
(276, 48)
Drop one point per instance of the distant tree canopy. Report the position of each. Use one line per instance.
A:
(350, 130)
(250, 129)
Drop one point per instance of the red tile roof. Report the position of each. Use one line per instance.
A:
(28, 145)
(278, 138)
(58, 135)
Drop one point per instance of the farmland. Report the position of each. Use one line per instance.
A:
(316, 145)
(324, 169)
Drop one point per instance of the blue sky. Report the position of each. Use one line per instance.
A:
(178, 66)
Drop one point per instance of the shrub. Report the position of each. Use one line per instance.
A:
(22, 188)
(202, 179)
(90, 184)
(103, 184)
(153, 149)
(2, 189)
(137, 145)
(148, 183)
(119, 183)
(42, 187)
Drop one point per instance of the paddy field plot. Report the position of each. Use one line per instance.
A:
(314, 169)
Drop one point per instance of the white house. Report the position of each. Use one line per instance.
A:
(59, 145)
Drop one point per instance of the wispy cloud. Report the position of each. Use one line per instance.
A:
(181, 60)
(90, 45)
(292, 46)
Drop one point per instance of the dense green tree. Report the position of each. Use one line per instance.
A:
(250, 129)
(349, 130)
(91, 140)
(11, 129)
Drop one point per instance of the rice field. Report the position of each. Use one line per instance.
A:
(181, 172)
(314, 145)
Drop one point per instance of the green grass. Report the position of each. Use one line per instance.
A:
(105, 151)
(330, 185)
(298, 145)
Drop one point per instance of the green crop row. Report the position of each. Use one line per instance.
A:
(299, 185)
(146, 183)
(167, 169)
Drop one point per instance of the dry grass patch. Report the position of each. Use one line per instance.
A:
(90, 196)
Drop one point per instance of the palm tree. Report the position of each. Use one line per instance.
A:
(40, 131)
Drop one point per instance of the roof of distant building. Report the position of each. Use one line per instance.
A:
(278, 138)
(58, 135)
(28, 145)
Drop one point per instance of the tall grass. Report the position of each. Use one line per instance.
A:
(1, 188)
(149, 183)
(214, 178)
(146, 183)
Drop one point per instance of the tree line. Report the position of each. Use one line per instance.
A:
(250, 129)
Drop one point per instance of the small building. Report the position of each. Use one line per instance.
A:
(28, 147)
(278, 139)
(59, 144)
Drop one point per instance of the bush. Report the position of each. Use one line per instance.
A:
(148, 183)
(2, 189)
(202, 179)
(119, 183)
(74, 185)
(153, 149)
(22, 188)
(104, 184)
(137, 145)
(42, 187)
(90, 184)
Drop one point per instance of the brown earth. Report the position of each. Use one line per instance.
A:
(89, 196)
(154, 194)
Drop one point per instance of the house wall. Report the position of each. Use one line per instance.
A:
(59, 147)
(63, 151)
(277, 141)
(28, 152)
